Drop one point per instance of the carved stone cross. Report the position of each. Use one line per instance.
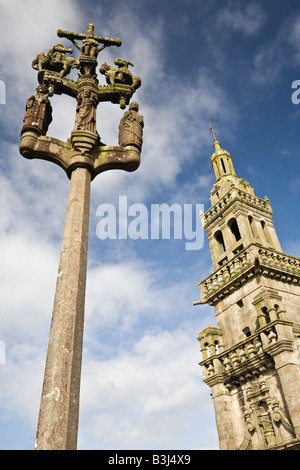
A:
(83, 157)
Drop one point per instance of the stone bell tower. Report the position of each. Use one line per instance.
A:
(251, 359)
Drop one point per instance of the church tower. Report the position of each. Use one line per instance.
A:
(251, 359)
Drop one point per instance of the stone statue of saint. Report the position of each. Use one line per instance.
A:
(86, 112)
(131, 127)
(38, 113)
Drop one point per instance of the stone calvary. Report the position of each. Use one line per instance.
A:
(82, 157)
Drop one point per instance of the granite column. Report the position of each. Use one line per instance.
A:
(59, 410)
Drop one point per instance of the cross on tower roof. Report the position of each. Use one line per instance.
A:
(212, 130)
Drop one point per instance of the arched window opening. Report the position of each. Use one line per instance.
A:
(223, 165)
(217, 172)
(220, 239)
(217, 347)
(234, 229)
(266, 314)
(277, 310)
(250, 218)
(247, 331)
(230, 165)
(266, 232)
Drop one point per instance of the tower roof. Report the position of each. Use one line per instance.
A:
(226, 177)
(221, 161)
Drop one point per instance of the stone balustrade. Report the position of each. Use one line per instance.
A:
(289, 264)
(220, 278)
(242, 267)
(246, 357)
(234, 194)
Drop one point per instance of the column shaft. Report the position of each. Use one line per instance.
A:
(59, 411)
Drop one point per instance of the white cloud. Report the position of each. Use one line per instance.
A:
(27, 279)
(246, 19)
(27, 28)
(21, 379)
(278, 54)
(33, 194)
(28, 273)
(131, 292)
(156, 389)
(118, 293)
(268, 64)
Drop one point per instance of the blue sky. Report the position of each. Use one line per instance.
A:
(231, 62)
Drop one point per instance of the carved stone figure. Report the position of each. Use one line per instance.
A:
(265, 423)
(55, 60)
(90, 47)
(121, 74)
(86, 112)
(131, 127)
(38, 115)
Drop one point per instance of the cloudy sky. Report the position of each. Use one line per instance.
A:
(230, 62)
